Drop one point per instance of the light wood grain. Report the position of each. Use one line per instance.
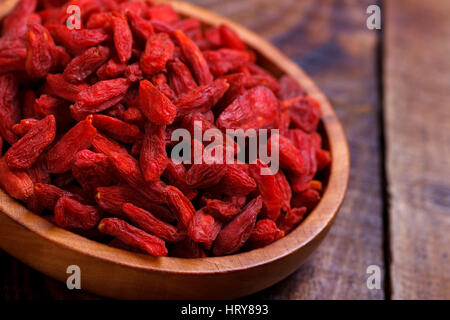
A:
(120, 274)
(417, 121)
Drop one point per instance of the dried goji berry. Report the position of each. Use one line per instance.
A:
(141, 27)
(269, 190)
(289, 88)
(101, 96)
(305, 112)
(290, 157)
(123, 39)
(16, 182)
(85, 64)
(158, 50)
(224, 60)
(180, 205)
(236, 181)
(72, 214)
(230, 39)
(164, 13)
(221, 210)
(59, 87)
(236, 233)
(291, 219)
(256, 108)
(154, 105)
(153, 158)
(194, 57)
(92, 170)
(204, 228)
(12, 55)
(308, 198)
(111, 69)
(175, 174)
(116, 128)
(264, 233)
(205, 175)
(149, 223)
(77, 40)
(128, 170)
(133, 236)
(202, 98)
(102, 144)
(62, 154)
(24, 152)
(9, 107)
(41, 51)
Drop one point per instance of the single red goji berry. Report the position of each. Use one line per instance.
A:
(175, 174)
(268, 188)
(85, 64)
(230, 39)
(123, 39)
(154, 105)
(77, 40)
(308, 198)
(16, 182)
(164, 13)
(221, 210)
(72, 214)
(111, 69)
(256, 108)
(149, 223)
(9, 107)
(289, 88)
(291, 219)
(158, 50)
(204, 228)
(264, 233)
(180, 206)
(92, 170)
(24, 152)
(142, 28)
(133, 236)
(101, 96)
(41, 51)
(236, 233)
(224, 60)
(59, 87)
(194, 57)
(60, 157)
(153, 158)
(117, 129)
(202, 98)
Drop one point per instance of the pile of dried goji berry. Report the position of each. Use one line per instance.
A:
(86, 117)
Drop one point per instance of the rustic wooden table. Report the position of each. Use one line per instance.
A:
(390, 89)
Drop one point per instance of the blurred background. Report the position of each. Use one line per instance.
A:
(390, 88)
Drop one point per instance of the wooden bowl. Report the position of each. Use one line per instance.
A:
(120, 274)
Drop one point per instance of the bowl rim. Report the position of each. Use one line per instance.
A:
(315, 224)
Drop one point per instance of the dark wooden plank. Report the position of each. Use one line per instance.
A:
(329, 39)
(417, 121)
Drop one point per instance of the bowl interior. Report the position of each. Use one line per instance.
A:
(336, 179)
